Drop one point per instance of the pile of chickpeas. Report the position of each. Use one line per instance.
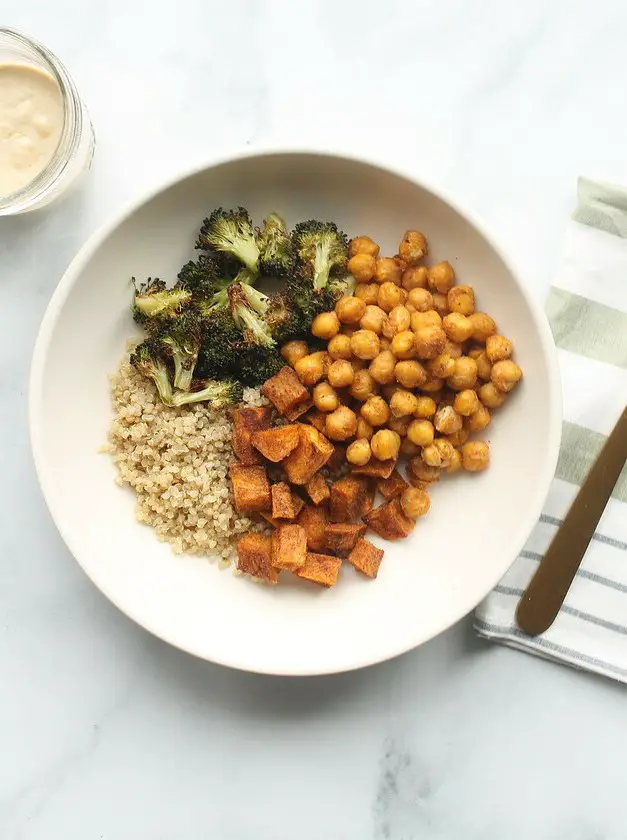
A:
(411, 367)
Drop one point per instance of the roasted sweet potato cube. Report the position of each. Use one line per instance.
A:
(376, 468)
(254, 557)
(282, 501)
(314, 521)
(338, 457)
(289, 547)
(317, 419)
(366, 558)
(298, 504)
(350, 498)
(277, 443)
(340, 537)
(251, 488)
(285, 390)
(318, 489)
(320, 568)
(312, 452)
(392, 486)
(246, 421)
(389, 521)
(299, 410)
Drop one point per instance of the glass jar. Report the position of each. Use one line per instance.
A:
(75, 148)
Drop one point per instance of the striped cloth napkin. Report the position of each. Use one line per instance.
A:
(587, 309)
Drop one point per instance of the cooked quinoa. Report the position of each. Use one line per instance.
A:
(177, 460)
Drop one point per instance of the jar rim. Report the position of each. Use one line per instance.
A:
(25, 197)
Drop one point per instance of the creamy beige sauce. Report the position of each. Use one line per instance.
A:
(31, 120)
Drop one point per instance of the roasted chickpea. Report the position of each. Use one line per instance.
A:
(442, 366)
(413, 247)
(431, 455)
(399, 425)
(363, 386)
(340, 373)
(429, 342)
(466, 402)
(479, 419)
(350, 310)
(325, 397)
(484, 368)
(409, 448)
(415, 502)
(453, 349)
(310, 369)
(365, 344)
(368, 292)
(420, 474)
(341, 424)
(457, 327)
(410, 374)
(418, 320)
(364, 429)
(382, 367)
(387, 270)
(375, 411)
(358, 452)
(447, 421)
(483, 327)
(425, 407)
(403, 345)
(398, 320)
(373, 319)
(465, 374)
(363, 245)
(446, 450)
(455, 464)
(389, 296)
(433, 385)
(421, 432)
(440, 304)
(385, 444)
(490, 395)
(362, 267)
(292, 351)
(461, 299)
(497, 348)
(475, 456)
(460, 437)
(415, 277)
(339, 347)
(403, 403)
(505, 375)
(325, 325)
(421, 299)
(441, 277)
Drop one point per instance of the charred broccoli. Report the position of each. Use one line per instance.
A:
(148, 359)
(218, 394)
(322, 250)
(153, 303)
(231, 232)
(277, 251)
(182, 339)
(248, 307)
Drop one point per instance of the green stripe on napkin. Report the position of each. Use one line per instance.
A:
(580, 448)
(602, 206)
(588, 328)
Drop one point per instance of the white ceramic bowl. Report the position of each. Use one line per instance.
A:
(477, 524)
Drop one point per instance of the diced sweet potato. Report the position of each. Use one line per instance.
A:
(251, 488)
(340, 537)
(282, 501)
(298, 410)
(351, 498)
(318, 489)
(392, 486)
(289, 547)
(285, 390)
(246, 421)
(320, 568)
(366, 558)
(338, 457)
(317, 419)
(376, 468)
(314, 521)
(254, 557)
(389, 521)
(312, 452)
(277, 443)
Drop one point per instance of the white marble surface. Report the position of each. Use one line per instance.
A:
(106, 733)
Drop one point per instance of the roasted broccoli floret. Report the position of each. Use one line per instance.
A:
(218, 394)
(153, 303)
(203, 277)
(248, 307)
(218, 353)
(231, 232)
(148, 359)
(322, 250)
(277, 251)
(256, 363)
(182, 339)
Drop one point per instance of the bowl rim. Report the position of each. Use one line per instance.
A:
(116, 219)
